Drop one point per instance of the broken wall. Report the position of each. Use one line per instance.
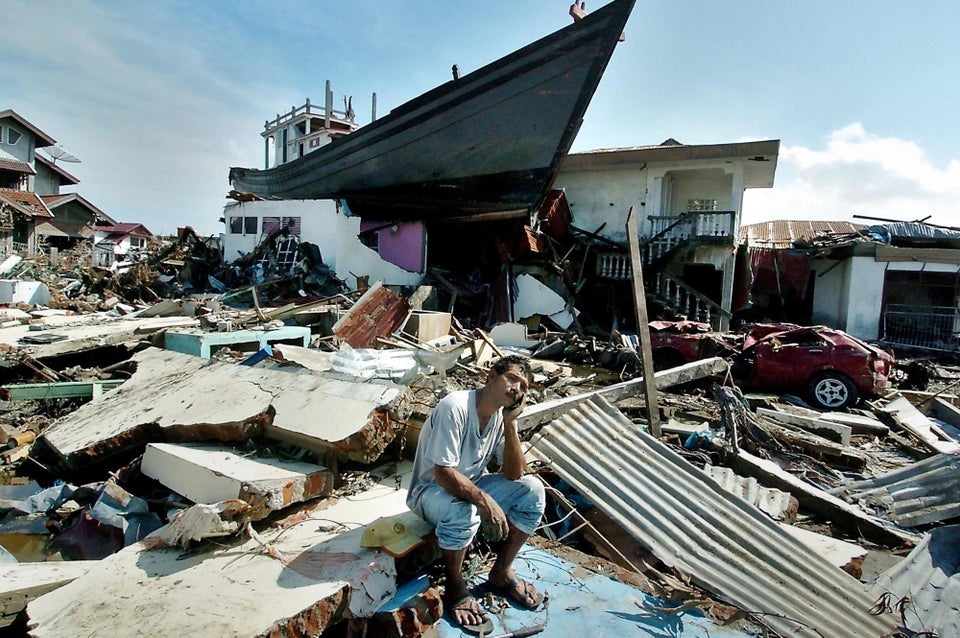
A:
(322, 224)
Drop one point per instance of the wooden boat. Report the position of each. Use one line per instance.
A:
(490, 141)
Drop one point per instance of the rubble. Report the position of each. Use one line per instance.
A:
(217, 434)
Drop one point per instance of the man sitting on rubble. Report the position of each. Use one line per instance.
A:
(452, 489)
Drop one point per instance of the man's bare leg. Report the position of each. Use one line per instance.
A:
(501, 574)
(467, 614)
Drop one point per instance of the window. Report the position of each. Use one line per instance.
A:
(370, 239)
(701, 205)
(270, 225)
(292, 224)
(12, 136)
(273, 224)
(243, 225)
(138, 242)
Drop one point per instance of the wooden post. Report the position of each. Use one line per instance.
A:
(643, 329)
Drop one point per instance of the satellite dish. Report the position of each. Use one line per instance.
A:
(57, 152)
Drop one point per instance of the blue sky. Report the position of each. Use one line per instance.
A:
(160, 98)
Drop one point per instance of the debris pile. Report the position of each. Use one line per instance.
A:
(262, 440)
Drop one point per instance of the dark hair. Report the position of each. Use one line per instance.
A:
(503, 364)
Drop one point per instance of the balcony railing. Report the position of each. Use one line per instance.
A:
(925, 327)
(669, 232)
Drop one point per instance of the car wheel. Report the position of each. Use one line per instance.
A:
(832, 391)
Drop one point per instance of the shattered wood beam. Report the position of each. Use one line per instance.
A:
(814, 445)
(643, 328)
(851, 518)
(540, 413)
(836, 432)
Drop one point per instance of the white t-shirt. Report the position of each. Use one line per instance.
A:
(451, 438)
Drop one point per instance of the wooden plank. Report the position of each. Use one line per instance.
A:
(913, 421)
(832, 431)
(540, 413)
(643, 328)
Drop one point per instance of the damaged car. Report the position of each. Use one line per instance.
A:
(831, 368)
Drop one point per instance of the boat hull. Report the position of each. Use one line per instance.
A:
(490, 141)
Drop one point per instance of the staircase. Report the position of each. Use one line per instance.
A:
(673, 236)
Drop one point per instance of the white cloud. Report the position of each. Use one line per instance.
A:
(857, 173)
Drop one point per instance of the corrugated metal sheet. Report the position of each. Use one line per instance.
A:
(776, 504)
(921, 493)
(783, 233)
(377, 313)
(688, 521)
(915, 230)
(928, 577)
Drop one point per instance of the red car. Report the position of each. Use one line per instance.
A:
(833, 369)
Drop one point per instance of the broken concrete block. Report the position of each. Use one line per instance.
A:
(296, 581)
(847, 556)
(415, 608)
(178, 397)
(211, 473)
(22, 582)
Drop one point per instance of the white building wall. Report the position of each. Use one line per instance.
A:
(830, 282)
(321, 224)
(605, 196)
(864, 298)
(849, 296)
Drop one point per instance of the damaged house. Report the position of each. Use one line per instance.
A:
(897, 282)
(192, 459)
(688, 201)
(37, 216)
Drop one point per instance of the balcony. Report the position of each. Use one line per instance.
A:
(669, 233)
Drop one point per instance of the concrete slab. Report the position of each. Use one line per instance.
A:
(213, 473)
(178, 397)
(22, 582)
(847, 556)
(202, 344)
(292, 582)
(89, 331)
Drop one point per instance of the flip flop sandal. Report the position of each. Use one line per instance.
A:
(481, 629)
(509, 590)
